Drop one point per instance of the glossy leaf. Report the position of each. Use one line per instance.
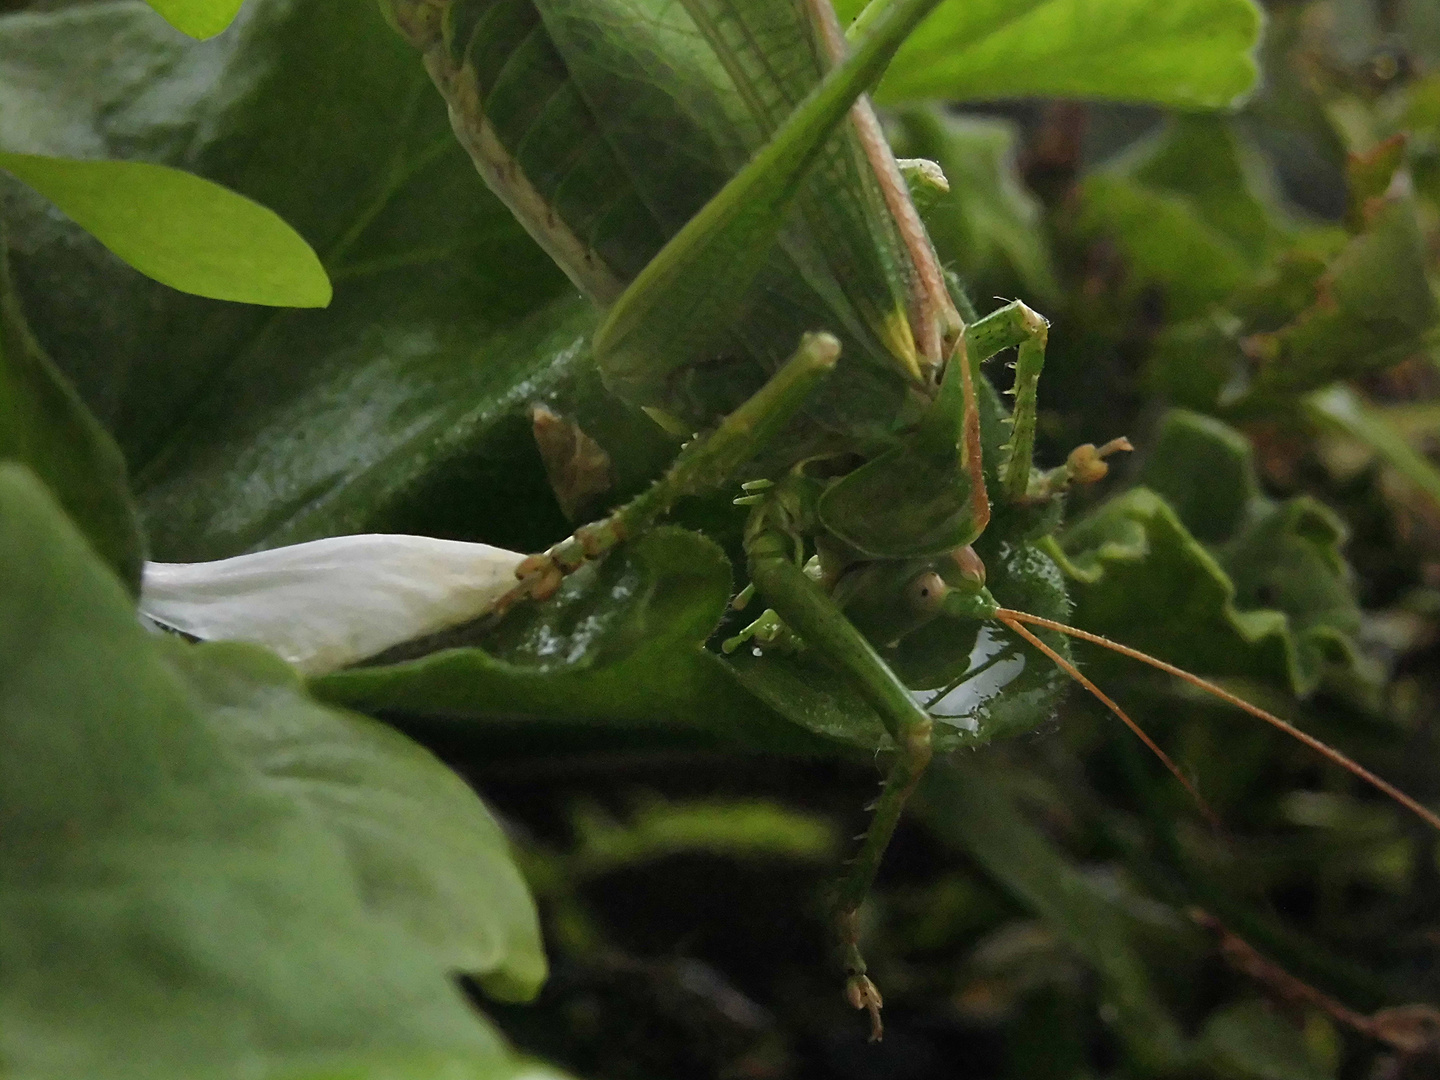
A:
(621, 646)
(180, 229)
(424, 850)
(167, 912)
(978, 682)
(198, 18)
(45, 426)
(1186, 53)
(404, 406)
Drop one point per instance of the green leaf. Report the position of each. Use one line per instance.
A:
(198, 18)
(45, 426)
(402, 408)
(424, 850)
(1166, 242)
(165, 911)
(1185, 53)
(620, 646)
(1250, 1039)
(1371, 308)
(968, 806)
(1195, 213)
(1342, 409)
(1207, 160)
(1269, 596)
(180, 229)
(988, 225)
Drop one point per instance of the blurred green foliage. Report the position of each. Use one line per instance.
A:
(210, 869)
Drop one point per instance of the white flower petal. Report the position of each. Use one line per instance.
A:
(328, 603)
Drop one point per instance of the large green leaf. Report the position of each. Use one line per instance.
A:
(424, 850)
(1186, 53)
(404, 406)
(180, 229)
(44, 425)
(165, 910)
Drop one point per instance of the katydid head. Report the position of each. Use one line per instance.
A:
(923, 497)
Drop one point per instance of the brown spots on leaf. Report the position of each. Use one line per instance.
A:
(577, 466)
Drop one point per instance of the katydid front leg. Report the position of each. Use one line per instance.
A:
(1014, 325)
(707, 462)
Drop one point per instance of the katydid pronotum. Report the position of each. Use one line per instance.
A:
(711, 174)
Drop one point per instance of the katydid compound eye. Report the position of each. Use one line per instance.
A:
(926, 593)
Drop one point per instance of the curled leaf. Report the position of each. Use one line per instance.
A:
(1266, 594)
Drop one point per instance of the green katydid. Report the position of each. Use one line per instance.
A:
(714, 178)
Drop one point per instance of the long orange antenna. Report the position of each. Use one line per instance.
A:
(1007, 616)
(1013, 618)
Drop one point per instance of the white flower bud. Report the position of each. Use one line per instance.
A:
(328, 603)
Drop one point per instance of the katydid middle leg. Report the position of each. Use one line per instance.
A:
(706, 462)
(809, 611)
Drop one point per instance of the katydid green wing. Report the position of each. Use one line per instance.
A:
(606, 145)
